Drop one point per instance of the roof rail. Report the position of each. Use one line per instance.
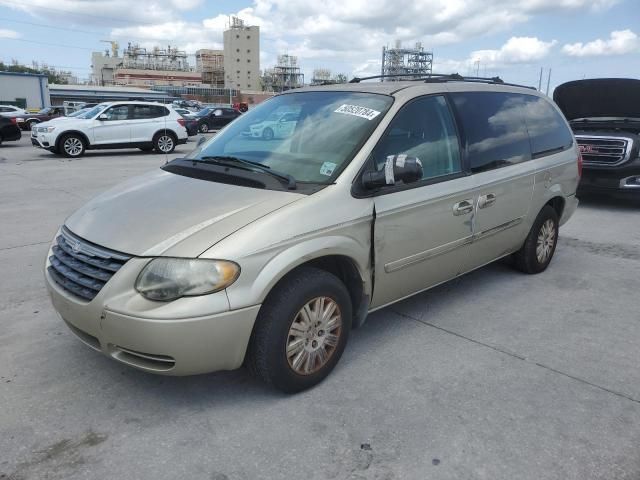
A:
(439, 77)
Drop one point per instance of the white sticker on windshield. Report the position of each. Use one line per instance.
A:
(356, 111)
(327, 168)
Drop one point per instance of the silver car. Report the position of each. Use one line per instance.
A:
(267, 251)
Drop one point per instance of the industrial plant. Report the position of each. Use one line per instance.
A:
(405, 63)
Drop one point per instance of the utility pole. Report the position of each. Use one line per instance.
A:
(540, 80)
(548, 82)
(477, 63)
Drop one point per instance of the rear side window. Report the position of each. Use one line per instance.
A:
(424, 129)
(547, 130)
(494, 128)
(148, 111)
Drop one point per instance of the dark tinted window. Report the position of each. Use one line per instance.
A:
(547, 130)
(494, 127)
(148, 111)
(423, 129)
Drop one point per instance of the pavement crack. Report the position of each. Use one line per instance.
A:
(519, 357)
(24, 245)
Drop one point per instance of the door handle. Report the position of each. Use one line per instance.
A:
(463, 207)
(486, 200)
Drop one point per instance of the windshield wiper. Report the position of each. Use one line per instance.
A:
(249, 165)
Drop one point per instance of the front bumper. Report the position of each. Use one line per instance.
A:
(42, 140)
(623, 179)
(169, 346)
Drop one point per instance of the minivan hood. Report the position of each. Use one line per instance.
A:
(599, 97)
(161, 213)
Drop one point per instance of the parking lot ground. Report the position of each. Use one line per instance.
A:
(496, 375)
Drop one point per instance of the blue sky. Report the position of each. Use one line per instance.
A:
(513, 39)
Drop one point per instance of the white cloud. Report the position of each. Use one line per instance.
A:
(5, 33)
(515, 50)
(620, 42)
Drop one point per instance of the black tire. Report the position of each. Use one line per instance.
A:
(29, 125)
(72, 145)
(267, 354)
(267, 134)
(204, 127)
(164, 142)
(146, 149)
(527, 259)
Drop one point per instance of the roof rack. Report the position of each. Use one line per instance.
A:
(439, 77)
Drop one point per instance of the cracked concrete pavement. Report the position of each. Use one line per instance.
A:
(496, 375)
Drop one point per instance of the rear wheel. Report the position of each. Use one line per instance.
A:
(164, 142)
(204, 127)
(72, 145)
(31, 123)
(302, 330)
(540, 245)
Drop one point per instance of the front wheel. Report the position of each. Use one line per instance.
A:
(72, 146)
(301, 331)
(267, 134)
(204, 128)
(164, 143)
(540, 245)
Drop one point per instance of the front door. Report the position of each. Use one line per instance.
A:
(421, 231)
(115, 128)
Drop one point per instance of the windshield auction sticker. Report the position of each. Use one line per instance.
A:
(356, 111)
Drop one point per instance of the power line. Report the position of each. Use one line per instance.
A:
(79, 14)
(49, 44)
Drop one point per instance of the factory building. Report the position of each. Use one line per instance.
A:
(210, 64)
(143, 68)
(25, 90)
(241, 56)
(408, 62)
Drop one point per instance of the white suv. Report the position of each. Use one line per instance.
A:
(144, 125)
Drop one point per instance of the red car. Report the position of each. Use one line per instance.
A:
(28, 120)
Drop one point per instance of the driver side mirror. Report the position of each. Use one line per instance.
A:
(201, 140)
(396, 168)
(103, 117)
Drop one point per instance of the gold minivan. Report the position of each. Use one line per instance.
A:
(266, 250)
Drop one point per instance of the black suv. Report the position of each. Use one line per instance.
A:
(604, 114)
(212, 118)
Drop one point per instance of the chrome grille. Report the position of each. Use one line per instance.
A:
(604, 150)
(80, 267)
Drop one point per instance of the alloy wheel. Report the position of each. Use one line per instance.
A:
(165, 143)
(314, 335)
(546, 241)
(72, 146)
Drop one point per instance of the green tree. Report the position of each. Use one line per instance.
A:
(53, 76)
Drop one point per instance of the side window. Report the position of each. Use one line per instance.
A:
(494, 129)
(141, 111)
(158, 111)
(119, 112)
(423, 129)
(547, 130)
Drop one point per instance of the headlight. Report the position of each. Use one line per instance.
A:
(46, 129)
(166, 279)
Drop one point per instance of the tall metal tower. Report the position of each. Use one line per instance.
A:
(406, 61)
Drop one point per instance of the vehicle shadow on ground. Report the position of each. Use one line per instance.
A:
(607, 202)
(226, 389)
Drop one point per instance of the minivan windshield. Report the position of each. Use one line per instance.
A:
(309, 136)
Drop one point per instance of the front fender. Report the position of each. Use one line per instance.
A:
(261, 272)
